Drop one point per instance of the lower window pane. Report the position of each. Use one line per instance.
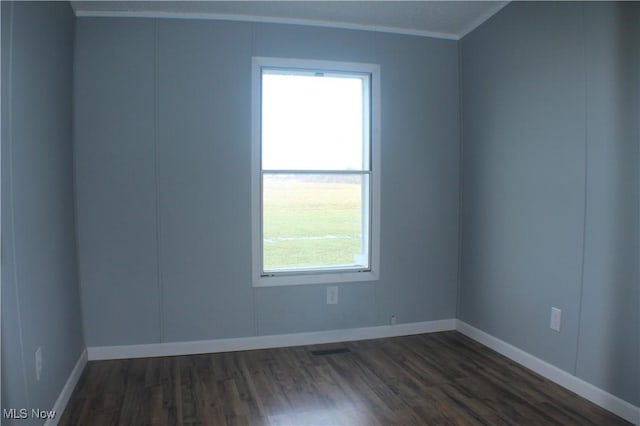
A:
(315, 221)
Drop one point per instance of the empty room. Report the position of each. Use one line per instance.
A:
(320, 213)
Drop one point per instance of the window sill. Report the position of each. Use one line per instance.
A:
(304, 279)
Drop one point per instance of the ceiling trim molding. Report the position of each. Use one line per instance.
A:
(275, 20)
(482, 19)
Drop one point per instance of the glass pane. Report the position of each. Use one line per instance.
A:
(315, 221)
(314, 122)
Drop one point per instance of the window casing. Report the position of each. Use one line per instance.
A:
(315, 170)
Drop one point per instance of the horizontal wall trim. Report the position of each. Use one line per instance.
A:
(265, 19)
(266, 342)
(567, 380)
(67, 390)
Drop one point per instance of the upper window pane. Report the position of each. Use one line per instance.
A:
(314, 121)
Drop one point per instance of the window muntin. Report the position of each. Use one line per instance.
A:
(317, 197)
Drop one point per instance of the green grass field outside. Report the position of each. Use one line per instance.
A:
(310, 223)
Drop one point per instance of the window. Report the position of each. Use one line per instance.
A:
(316, 171)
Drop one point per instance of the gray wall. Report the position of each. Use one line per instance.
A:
(40, 294)
(609, 338)
(550, 186)
(162, 113)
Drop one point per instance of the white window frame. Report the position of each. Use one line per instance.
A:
(316, 276)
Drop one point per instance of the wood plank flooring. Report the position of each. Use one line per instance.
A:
(431, 379)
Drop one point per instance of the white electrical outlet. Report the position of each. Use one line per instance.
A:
(556, 319)
(332, 295)
(393, 320)
(38, 363)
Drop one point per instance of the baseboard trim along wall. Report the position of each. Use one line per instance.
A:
(67, 390)
(567, 380)
(266, 342)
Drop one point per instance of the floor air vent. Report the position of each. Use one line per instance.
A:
(330, 351)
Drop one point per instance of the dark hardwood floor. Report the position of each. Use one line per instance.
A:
(431, 379)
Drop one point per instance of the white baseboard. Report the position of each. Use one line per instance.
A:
(567, 380)
(265, 342)
(67, 390)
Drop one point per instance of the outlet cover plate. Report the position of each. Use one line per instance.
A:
(38, 363)
(556, 319)
(332, 295)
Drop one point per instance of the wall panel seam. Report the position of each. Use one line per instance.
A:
(12, 195)
(254, 304)
(586, 180)
(156, 168)
(74, 160)
(460, 175)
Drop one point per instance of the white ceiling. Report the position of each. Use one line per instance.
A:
(443, 19)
